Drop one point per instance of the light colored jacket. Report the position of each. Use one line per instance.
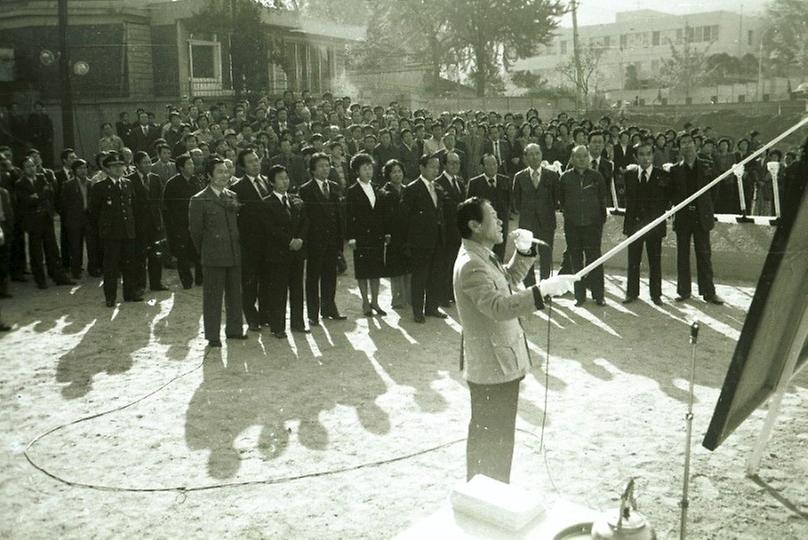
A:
(490, 299)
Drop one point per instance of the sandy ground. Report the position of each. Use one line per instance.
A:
(358, 392)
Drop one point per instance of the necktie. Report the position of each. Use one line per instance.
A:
(83, 189)
(496, 150)
(259, 184)
(535, 179)
(432, 193)
(595, 164)
(326, 191)
(643, 177)
(286, 202)
(492, 182)
(455, 184)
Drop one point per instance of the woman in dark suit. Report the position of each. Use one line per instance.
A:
(396, 264)
(366, 235)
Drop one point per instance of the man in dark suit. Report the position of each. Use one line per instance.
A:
(143, 135)
(291, 162)
(535, 198)
(583, 199)
(213, 229)
(148, 223)
(287, 232)
(35, 207)
(251, 189)
(321, 203)
(408, 149)
(112, 219)
(61, 176)
(74, 204)
(694, 221)
(496, 188)
(646, 199)
(623, 157)
(422, 206)
(454, 189)
(6, 230)
(499, 147)
(596, 142)
(176, 198)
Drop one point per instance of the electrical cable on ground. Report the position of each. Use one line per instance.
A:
(182, 490)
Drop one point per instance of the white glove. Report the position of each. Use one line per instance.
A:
(557, 285)
(523, 238)
(667, 167)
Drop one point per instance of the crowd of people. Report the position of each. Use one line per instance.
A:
(257, 201)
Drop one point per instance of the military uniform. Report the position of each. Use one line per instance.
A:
(112, 220)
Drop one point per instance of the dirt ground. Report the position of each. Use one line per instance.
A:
(358, 392)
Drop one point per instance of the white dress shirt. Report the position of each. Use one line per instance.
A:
(369, 193)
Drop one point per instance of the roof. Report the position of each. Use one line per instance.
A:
(166, 11)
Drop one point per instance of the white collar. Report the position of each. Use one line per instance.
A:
(647, 172)
(217, 191)
(425, 181)
(280, 196)
(532, 170)
(321, 182)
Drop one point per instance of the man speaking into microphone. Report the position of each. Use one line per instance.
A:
(494, 354)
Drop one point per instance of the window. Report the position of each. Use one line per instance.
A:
(205, 67)
(623, 41)
(563, 47)
(698, 34)
(689, 34)
(607, 41)
(749, 38)
(655, 38)
(714, 33)
(202, 64)
(6, 65)
(741, 98)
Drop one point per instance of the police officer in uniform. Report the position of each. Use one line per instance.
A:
(112, 219)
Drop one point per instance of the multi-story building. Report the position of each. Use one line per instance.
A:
(639, 40)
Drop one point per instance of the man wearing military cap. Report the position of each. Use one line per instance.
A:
(112, 221)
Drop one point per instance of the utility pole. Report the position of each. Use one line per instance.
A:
(64, 71)
(576, 55)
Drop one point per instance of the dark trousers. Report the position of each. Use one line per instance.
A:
(489, 447)
(222, 281)
(17, 257)
(321, 281)
(653, 247)
(187, 259)
(147, 263)
(5, 251)
(78, 236)
(584, 240)
(704, 265)
(449, 258)
(426, 279)
(253, 289)
(42, 241)
(545, 258)
(64, 245)
(118, 260)
(286, 282)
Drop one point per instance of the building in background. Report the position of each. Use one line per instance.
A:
(634, 45)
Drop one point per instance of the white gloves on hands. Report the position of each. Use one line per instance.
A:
(523, 238)
(557, 285)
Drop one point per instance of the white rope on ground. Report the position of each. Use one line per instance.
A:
(640, 233)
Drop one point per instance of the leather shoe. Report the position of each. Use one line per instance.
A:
(335, 317)
(714, 299)
(378, 310)
(110, 303)
(279, 335)
(419, 319)
(240, 336)
(682, 298)
(301, 330)
(255, 327)
(134, 299)
(601, 302)
(4, 327)
(19, 279)
(579, 303)
(629, 299)
(657, 300)
(65, 281)
(437, 314)
(42, 286)
(214, 343)
(160, 288)
(314, 322)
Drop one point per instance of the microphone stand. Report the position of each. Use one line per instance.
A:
(694, 335)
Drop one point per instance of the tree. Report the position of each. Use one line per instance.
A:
(414, 29)
(589, 59)
(785, 39)
(490, 33)
(686, 67)
(632, 79)
(355, 12)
